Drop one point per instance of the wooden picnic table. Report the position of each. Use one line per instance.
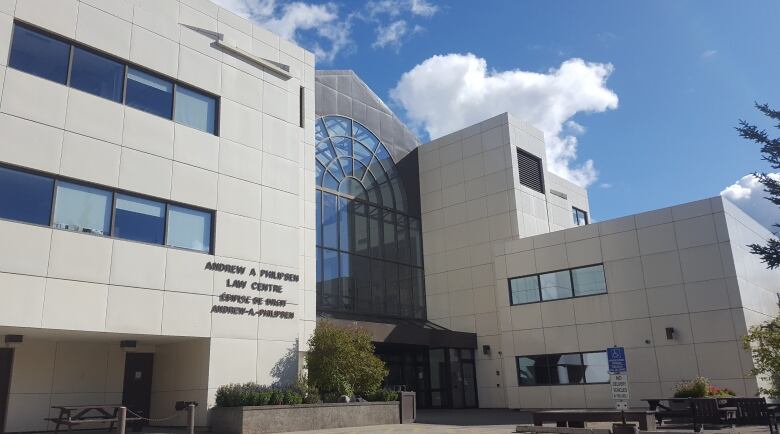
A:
(86, 414)
(578, 418)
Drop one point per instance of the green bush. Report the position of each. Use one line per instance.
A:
(696, 388)
(253, 394)
(382, 396)
(341, 361)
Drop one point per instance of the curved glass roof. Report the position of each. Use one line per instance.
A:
(352, 161)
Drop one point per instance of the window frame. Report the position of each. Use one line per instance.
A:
(114, 192)
(577, 212)
(547, 365)
(127, 66)
(571, 281)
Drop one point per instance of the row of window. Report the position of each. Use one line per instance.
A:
(43, 200)
(352, 283)
(555, 285)
(52, 58)
(571, 368)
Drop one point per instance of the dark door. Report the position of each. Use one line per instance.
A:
(137, 391)
(6, 363)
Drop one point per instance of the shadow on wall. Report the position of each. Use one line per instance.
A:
(285, 370)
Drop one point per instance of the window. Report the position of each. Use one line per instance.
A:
(189, 228)
(195, 109)
(363, 226)
(524, 290)
(139, 219)
(589, 280)
(81, 68)
(580, 217)
(25, 197)
(82, 209)
(577, 282)
(555, 285)
(555, 369)
(530, 170)
(149, 93)
(97, 75)
(37, 54)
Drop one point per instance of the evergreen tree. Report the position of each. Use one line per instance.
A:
(770, 150)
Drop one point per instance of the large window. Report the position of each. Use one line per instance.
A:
(25, 197)
(29, 198)
(555, 369)
(579, 216)
(49, 57)
(577, 282)
(369, 247)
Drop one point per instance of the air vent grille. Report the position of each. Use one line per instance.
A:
(529, 168)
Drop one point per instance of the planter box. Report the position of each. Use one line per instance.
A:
(284, 418)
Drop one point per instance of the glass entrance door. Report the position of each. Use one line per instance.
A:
(453, 378)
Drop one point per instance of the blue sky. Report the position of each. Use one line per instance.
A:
(654, 102)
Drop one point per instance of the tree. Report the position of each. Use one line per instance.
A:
(770, 148)
(764, 342)
(341, 361)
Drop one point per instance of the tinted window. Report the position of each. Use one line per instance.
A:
(39, 55)
(189, 228)
(555, 285)
(566, 369)
(25, 197)
(589, 280)
(82, 209)
(596, 367)
(139, 219)
(195, 109)
(149, 93)
(330, 231)
(97, 75)
(524, 290)
(580, 217)
(532, 370)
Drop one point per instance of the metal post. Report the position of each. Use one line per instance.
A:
(122, 419)
(191, 418)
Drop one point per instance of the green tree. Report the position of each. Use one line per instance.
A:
(770, 150)
(764, 341)
(341, 361)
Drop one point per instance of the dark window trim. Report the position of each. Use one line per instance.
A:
(571, 279)
(582, 361)
(114, 191)
(584, 213)
(127, 64)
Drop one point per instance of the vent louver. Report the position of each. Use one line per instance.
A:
(529, 168)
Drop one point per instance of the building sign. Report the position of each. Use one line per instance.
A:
(267, 303)
(616, 359)
(619, 385)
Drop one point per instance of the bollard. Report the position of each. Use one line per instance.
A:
(122, 419)
(191, 418)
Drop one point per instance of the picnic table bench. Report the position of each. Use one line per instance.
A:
(70, 415)
(578, 418)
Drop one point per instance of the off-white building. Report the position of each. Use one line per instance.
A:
(182, 198)
(144, 144)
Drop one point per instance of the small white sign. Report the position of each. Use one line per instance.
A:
(619, 385)
(621, 405)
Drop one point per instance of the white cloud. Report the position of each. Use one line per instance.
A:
(424, 8)
(390, 34)
(292, 19)
(448, 92)
(748, 194)
(394, 8)
(707, 54)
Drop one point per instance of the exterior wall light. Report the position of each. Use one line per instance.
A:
(128, 344)
(14, 339)
(485, 349)
(670, 333)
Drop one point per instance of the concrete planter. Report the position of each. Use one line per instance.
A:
(285, 418)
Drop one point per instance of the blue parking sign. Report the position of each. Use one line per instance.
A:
(616, 359)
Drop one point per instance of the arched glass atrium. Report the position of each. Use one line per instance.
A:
(369, 248)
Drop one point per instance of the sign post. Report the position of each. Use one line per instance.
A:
(618, 379)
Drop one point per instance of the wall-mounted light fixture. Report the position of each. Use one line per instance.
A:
(128, 344)
(485, 349)
(670, 333)
(14, 339)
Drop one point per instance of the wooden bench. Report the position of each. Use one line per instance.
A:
(558, 430)
(578, 418)
(77, 415)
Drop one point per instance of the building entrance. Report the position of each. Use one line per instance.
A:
(6, 364)
(137, 391)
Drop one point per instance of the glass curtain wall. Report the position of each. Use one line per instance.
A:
(369, 248)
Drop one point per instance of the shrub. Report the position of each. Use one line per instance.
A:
(253, 394)
(341, 361)
(696, 388)
(382, 396)
(720, 391)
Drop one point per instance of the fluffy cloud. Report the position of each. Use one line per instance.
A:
(390, 34)
(748, 194)
(292, 19)
(448, 92)
(395, 33)
(394, 8)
